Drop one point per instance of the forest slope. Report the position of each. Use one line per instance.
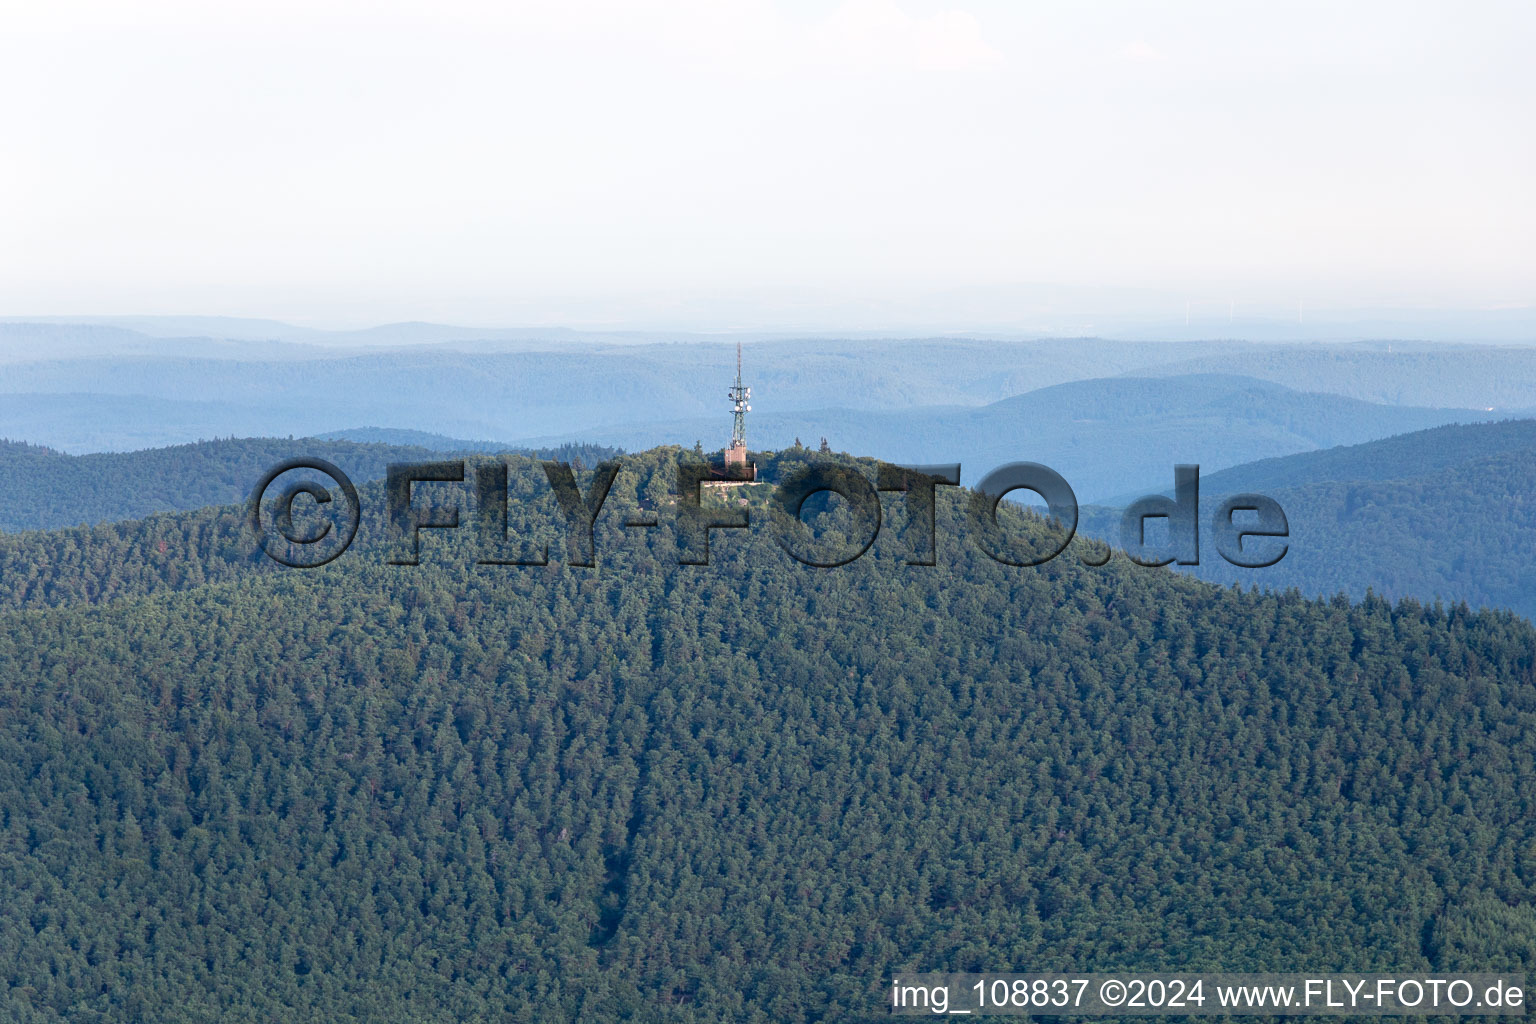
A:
(746, 791)
(42, 489)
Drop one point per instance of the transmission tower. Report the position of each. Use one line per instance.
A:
(739, 396)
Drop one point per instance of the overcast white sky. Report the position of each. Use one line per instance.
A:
(592, 161)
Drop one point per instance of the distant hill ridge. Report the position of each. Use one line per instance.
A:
(427, 439)
(86, 388)
(1107, 436)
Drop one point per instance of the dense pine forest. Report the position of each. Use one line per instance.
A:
(747, 791)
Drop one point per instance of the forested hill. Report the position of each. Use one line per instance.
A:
(1446, 514)
(42, 489)
(1400, 457)
(741, 792)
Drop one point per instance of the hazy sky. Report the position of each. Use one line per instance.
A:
(595, 161)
